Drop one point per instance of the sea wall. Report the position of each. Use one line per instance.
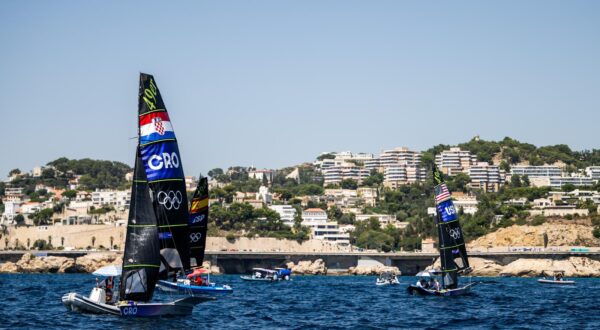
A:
(80, 237)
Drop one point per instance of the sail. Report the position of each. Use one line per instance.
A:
(141, 259)
(198, 222)
(164, 170)
(453, 253)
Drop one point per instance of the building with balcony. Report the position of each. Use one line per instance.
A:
(287, 213)
(544, 171)
(455, 160)
(487, 177)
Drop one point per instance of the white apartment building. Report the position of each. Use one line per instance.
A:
(338, 173)
(544, 171)
(400, 155)
(593, 172)
(455, 160)
(577, 181)
(264, 195)
(486, 177)
(191, 183)
(321, 228)
(119, 199)
(369, 195)
(287, 213)
(347, 155)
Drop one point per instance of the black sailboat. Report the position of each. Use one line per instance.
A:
(453, 252)
(197, 281)
(156, 243)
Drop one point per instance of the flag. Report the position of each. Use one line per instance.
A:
(155, 126)
(441, 193)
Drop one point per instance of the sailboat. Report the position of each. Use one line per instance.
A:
(156, 242)
(453, 252)
(197, 281)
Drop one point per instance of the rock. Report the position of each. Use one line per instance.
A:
(480, 266)
(373, 270)
(215, 270)
(9, 267)
(32, 264)
(91, 262)
(307, 267)
(573, 267)
(558, 235)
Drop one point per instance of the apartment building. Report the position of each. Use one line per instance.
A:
(287, 213)
(338, 173)
(455, 160)
(321, 228)
(544, 171)
(119, 199)
(486, 177)
(593, 172)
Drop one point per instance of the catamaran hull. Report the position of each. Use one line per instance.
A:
(193, 289)
(417, 290)
(78, 303)
(184, 306)
(543, 281)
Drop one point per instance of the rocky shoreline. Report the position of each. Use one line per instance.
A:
(573, 266)
(533, 267)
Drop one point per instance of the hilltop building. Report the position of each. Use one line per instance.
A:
(455, 160)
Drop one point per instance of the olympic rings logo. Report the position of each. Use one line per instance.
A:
(454, 233)
(195, 237)
(170, 200)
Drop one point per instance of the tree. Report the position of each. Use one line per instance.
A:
(111, 241)
(19, 220)
(326, 156)
(349, 184)
(28, 243)
(69, 194)
(568, 187)
(62, 241)
(93, 241)
(14, 171)
(515, 181)
(373, 180)
(215, 172)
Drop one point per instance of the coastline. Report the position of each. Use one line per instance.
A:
(520, 264)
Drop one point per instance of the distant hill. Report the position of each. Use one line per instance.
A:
(513, 152)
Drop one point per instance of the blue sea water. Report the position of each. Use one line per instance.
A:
(319, 302)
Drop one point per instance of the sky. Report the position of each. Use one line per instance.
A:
(274, 83)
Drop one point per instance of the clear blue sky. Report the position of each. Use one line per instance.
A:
(274, 83)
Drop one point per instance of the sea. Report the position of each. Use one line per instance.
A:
(33, 301)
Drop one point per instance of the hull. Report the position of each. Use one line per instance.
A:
(384, 283)
(78, 303)
(181, 288)
(417, 290)
(180, 307)
(544, 281)
(254, 279)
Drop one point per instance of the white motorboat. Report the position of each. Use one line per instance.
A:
(387, 278)
(95, 303)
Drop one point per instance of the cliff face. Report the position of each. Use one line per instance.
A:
(558, 235)
(573, 267)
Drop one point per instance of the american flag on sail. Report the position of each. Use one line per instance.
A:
(441, 193)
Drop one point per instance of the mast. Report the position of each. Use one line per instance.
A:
(162, 164)
(198, 223)
(453, 253)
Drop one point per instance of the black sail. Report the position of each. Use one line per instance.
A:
(198, 222)
(141, 259)
(164, 170)
(453, 253)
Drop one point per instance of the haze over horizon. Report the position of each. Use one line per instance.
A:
(273, 84)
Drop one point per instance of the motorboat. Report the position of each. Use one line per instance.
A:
(387, 278)
(97, 302)
(196, 283)
(557, 279)
(262, 275)
(284, 274)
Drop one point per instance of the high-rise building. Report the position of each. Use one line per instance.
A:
(455, 160)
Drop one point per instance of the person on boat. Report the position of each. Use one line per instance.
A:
(434, 284)
(558, 277)
(198, 280)
(421, 283)
(108, 287)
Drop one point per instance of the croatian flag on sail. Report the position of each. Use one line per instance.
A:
(441, 193)
(155, 126)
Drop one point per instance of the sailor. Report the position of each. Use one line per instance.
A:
(109, 285)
